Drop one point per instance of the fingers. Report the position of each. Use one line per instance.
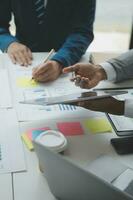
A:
(13, 59)
(68, 69)
(82, 82)
(48, 78)
(72, 103)
(106, 104)
(88, 104)
(43, 77)
(40, 71)
(20, 54)
(23, 58)
(73, 68)
(85, 83)
(29, 53)
(48, 71)
(81, 104)
(78, 81)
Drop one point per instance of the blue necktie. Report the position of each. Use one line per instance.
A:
(40, 11)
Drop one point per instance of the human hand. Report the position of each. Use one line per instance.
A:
(106, 104)
(20, 54)
(86, 75)
(48, 71)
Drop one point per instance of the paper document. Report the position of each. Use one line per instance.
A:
(11, 148)
(5, 90)
(24, 89)
(6, 187)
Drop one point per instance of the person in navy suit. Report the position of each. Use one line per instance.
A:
(65, 25)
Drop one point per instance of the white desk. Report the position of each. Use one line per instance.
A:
(82, 149)
(6, 190)
(31, 185)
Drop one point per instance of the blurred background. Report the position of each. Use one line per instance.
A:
(112, 26)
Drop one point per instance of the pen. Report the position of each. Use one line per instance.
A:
(49, 55)
(47, 58)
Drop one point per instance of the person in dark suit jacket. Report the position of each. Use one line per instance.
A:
(65, 25)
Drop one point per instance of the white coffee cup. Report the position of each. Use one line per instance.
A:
(54, 140)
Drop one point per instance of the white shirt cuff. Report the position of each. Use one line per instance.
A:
(128, 108)
(111, 73)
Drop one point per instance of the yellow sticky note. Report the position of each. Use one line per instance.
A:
(98, 125)
(27, 142)
(26, 82)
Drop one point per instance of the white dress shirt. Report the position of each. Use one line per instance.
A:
(111, 76)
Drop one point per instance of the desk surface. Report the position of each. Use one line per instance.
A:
(31, 185)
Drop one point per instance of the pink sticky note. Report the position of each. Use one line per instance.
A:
(70, 128)
(29, 132)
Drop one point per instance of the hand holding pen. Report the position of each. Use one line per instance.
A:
(49, 70)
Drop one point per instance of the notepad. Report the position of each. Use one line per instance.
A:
(97, 125)
(34, 132)
(27, 142)
(31, 134)
(70, 128)
(26, 82)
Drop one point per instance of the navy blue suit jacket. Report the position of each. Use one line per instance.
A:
(68, 27)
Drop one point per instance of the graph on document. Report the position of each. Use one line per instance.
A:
(5, 164)
(63, 107)
(58, 107)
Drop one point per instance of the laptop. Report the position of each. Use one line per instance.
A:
(70, 182)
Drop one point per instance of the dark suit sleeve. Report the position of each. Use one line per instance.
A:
(5, 16)
(81, 35)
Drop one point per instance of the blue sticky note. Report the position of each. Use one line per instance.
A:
(36, 133)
